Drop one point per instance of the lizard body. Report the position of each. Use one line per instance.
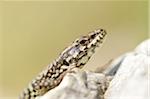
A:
(76, 55)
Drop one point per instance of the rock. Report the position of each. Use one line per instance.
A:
(80, 85)
(124, 78)
(131, 79)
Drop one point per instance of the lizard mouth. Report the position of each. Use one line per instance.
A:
(96, 38)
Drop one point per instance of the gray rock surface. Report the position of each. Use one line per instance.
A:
(80, 85)
(131, 80)
(130, 73)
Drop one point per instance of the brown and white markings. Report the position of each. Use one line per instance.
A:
(75, 55)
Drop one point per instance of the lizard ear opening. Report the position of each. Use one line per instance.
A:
(65, 63)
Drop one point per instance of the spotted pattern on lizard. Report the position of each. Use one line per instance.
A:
(75, 55)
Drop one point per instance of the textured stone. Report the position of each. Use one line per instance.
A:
(131, 80)
(80, 85)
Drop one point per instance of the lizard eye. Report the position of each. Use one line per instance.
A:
(82, 41)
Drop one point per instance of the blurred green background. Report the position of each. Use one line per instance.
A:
(32, 34)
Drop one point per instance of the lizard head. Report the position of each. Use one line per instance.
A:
(82, 48)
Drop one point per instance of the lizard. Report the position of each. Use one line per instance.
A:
(74, 56)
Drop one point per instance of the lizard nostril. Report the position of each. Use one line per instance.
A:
(93, 35)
